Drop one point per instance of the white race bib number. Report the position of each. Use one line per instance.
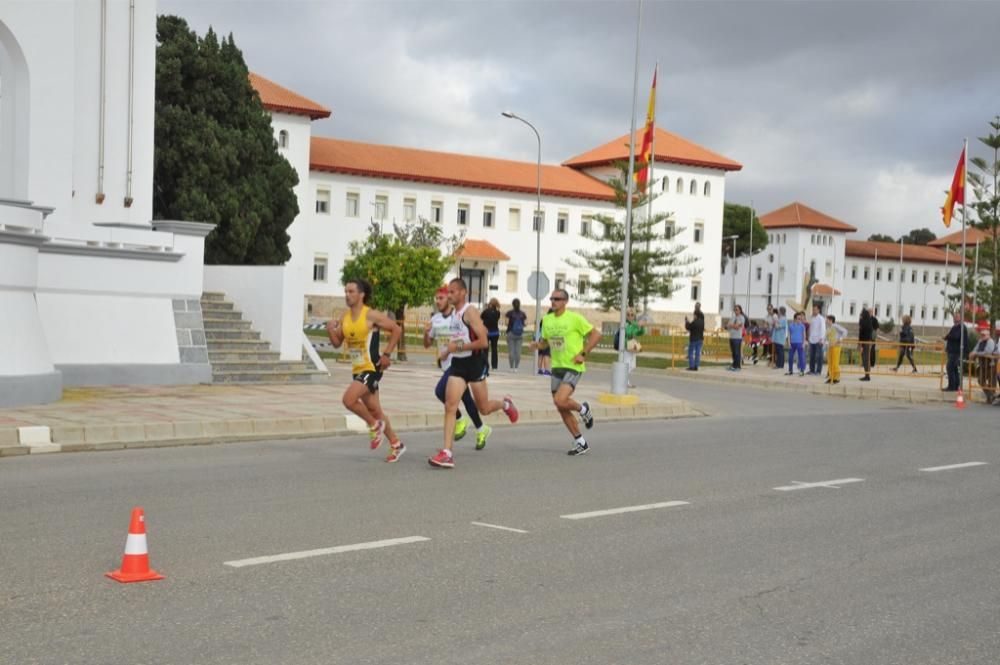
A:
(357, 356)
(557, 343)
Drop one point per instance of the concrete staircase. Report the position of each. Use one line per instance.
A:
(238, 354)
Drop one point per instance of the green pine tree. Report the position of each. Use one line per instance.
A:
(216, 159)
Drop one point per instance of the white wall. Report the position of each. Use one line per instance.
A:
(269, 296)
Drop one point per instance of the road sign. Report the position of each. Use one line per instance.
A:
(538, 285)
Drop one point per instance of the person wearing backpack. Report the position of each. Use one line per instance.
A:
(515, 334)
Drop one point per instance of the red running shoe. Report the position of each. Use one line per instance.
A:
(443, 459)
(396, 451)
(376, 433)
(510, 409)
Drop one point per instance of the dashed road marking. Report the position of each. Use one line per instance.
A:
(290, 556)
(949, 467)
(626, 509)
(829, 484)
(497, 526)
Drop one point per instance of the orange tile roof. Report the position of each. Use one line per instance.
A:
(444, 168)
(973, 236)
(667, 147)
(890, 251)
(824, 290)
(796, 215)
(483, 250)
(276, 98)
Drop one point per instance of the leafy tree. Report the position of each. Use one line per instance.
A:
(919, 237)
(404, 267)
(215, 157)
(736, 221)
(656, 261)
(985, 181)
(881, 237)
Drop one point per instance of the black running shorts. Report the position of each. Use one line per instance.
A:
(472, 369)
(369, 379)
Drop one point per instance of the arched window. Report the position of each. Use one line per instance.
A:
(708, 188)
(283, 138)
(680, 186)
(666, 184)
(14, 117)
(694, 188)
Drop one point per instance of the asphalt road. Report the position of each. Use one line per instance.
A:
(891, 565)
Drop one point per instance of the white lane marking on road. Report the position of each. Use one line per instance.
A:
(627, 509)
(497, 526)
(290, 556)
(949, 467)
(831, 484)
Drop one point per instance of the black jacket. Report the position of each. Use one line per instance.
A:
(696, 328)
(958, 335)
(906, 335)
(867, 328)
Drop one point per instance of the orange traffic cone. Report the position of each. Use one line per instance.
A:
(959, 400)
(135, 563)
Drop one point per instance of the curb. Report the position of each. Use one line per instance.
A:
(90, 438)
(920, 396)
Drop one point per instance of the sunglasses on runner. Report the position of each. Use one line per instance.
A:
(554, 299)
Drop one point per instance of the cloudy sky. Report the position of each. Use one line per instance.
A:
(855, 108)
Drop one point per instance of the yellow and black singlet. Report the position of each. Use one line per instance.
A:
(362, 342)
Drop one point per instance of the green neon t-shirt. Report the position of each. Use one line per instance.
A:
(565, 335)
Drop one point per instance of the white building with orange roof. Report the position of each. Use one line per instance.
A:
(809, 249)
(345, 186)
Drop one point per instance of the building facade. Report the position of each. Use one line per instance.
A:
(346, 187)
(807, 246)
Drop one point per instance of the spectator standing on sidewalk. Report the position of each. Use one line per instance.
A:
(633, 331)
(797, 337)
(984, 355)
(491, 319)
(778, 337)
(906, 340)
(817, 337)
(867, 325)
(515, 334)
(696, 337)
(735, 327)
(835, 334)
(956, 342)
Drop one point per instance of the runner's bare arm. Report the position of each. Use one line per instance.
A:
(335, 332)
(592, 340)
(395, 332)
(428, 334)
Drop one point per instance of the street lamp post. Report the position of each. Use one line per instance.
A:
(538, 227)
(733, 238)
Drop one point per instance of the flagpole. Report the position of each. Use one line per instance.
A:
(619, 370)
(961, 337)
(874, 278)
(649, 184)
(899, 284)
(746, 313)
(975, 278)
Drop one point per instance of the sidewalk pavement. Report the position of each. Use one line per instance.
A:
(116, 417)
(921, 388)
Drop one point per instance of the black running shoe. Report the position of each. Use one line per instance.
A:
(587, 416)
(578, 449)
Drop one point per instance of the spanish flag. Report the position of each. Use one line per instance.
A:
(646, 153)
(957, 192)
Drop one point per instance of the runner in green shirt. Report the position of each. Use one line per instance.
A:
(571, 338)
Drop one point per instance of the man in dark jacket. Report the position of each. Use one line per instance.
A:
(867, 325)
(956, 345)
(696, 330)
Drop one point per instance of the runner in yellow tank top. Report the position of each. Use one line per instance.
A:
(359, 327)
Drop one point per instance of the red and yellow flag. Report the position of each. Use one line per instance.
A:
(957, 192)
(646, 152)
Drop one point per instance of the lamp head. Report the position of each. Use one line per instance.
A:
(507, 114)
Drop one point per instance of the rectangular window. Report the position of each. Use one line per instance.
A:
(876, 309)
(937, 279)
(927, 276)
(514, 219)
(381, 206)
(462, 218)
(585, 224)
(352, 204)
(854, 272)
(889, 275)
(319, 268)
(867, 273)
(935, 314)
(560, 280)
(409, 209)
(669, 229)
(878, 274)
(583, 285)
(913, 310)
(902, 274)
(695, 290)
(699, 233)
(913, 277)
(538, 221)
(888, 310)
(323, 201)
(759, 272)
(829, 269)
(562, 223)
(489, 212)
(923, 312)
(854, 308)
(511, 280)
(437, 212)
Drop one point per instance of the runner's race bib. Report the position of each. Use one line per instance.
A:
(357, 357)
(557, 343)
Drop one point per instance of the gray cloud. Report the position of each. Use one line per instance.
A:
(856, 108)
